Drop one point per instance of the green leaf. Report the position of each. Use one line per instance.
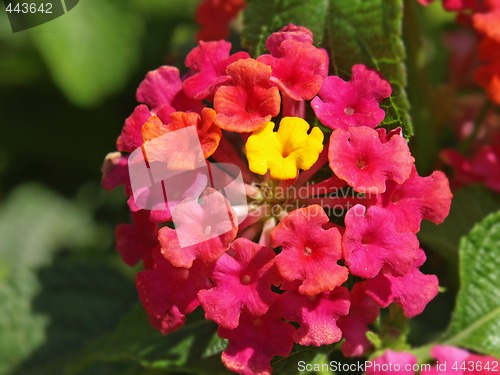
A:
(194, 348)
(353, 31)
(22, 331)
(476, 320)
(470, 205)
(91, 50)
(369, 32)
(263, 17)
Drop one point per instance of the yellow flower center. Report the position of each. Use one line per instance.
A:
(283, 152)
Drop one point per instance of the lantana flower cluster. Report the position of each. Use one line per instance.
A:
(330, 206)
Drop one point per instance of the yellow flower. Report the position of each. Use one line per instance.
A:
(285, 151)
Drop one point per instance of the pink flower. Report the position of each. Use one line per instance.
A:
(483, 167)
(136, 241)
(242, 283)
(416, 199)
(487, 24)
(460, 5)
(317, 315)
(161, 91)
(363, 311)
(371, 242)
(299, 70)
(256, 341)
(289, 32)
(359, 157)
(342, 104)
(449, 355)
(412, 291)
(455, 361)
(208, 63)
(169, 293)
(115, 171)
(198, 221)
(392, 363)
(251, 101)
(309, 252)
(130, 137)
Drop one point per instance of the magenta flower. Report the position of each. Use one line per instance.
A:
(256, 341)
(242, 283)
(359, 157)
(395, 363)
(299, 70)
(289, 32)
(341, 104)
(198, 222)
(136, 241)
(482, 167)
(169, 293)
(363, 311)
(416, 199)
(317, 315)
(371, 242)
(412, 291)
(161, 91)
(208, 63)
(449, 355)
(250, 102)
(115, 171)
(131, 137)
(309, 252)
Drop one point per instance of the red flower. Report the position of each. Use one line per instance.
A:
(371, 242)
(342, 104)
(136, 241)
(309, 252)
(483, 167)
(130, 137)
(385, 364)
(161, 91)
(114, 171)
(169, 293)
(214, 16)
(412, 291)
(418, 198)
(359, 157)
(242, 283)
(256, 341)
(363, 311)
(299, 69)
(317, 315)
(289, 32)
(208, 63)
(209, 134)
(251, 102)
(194, 224)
